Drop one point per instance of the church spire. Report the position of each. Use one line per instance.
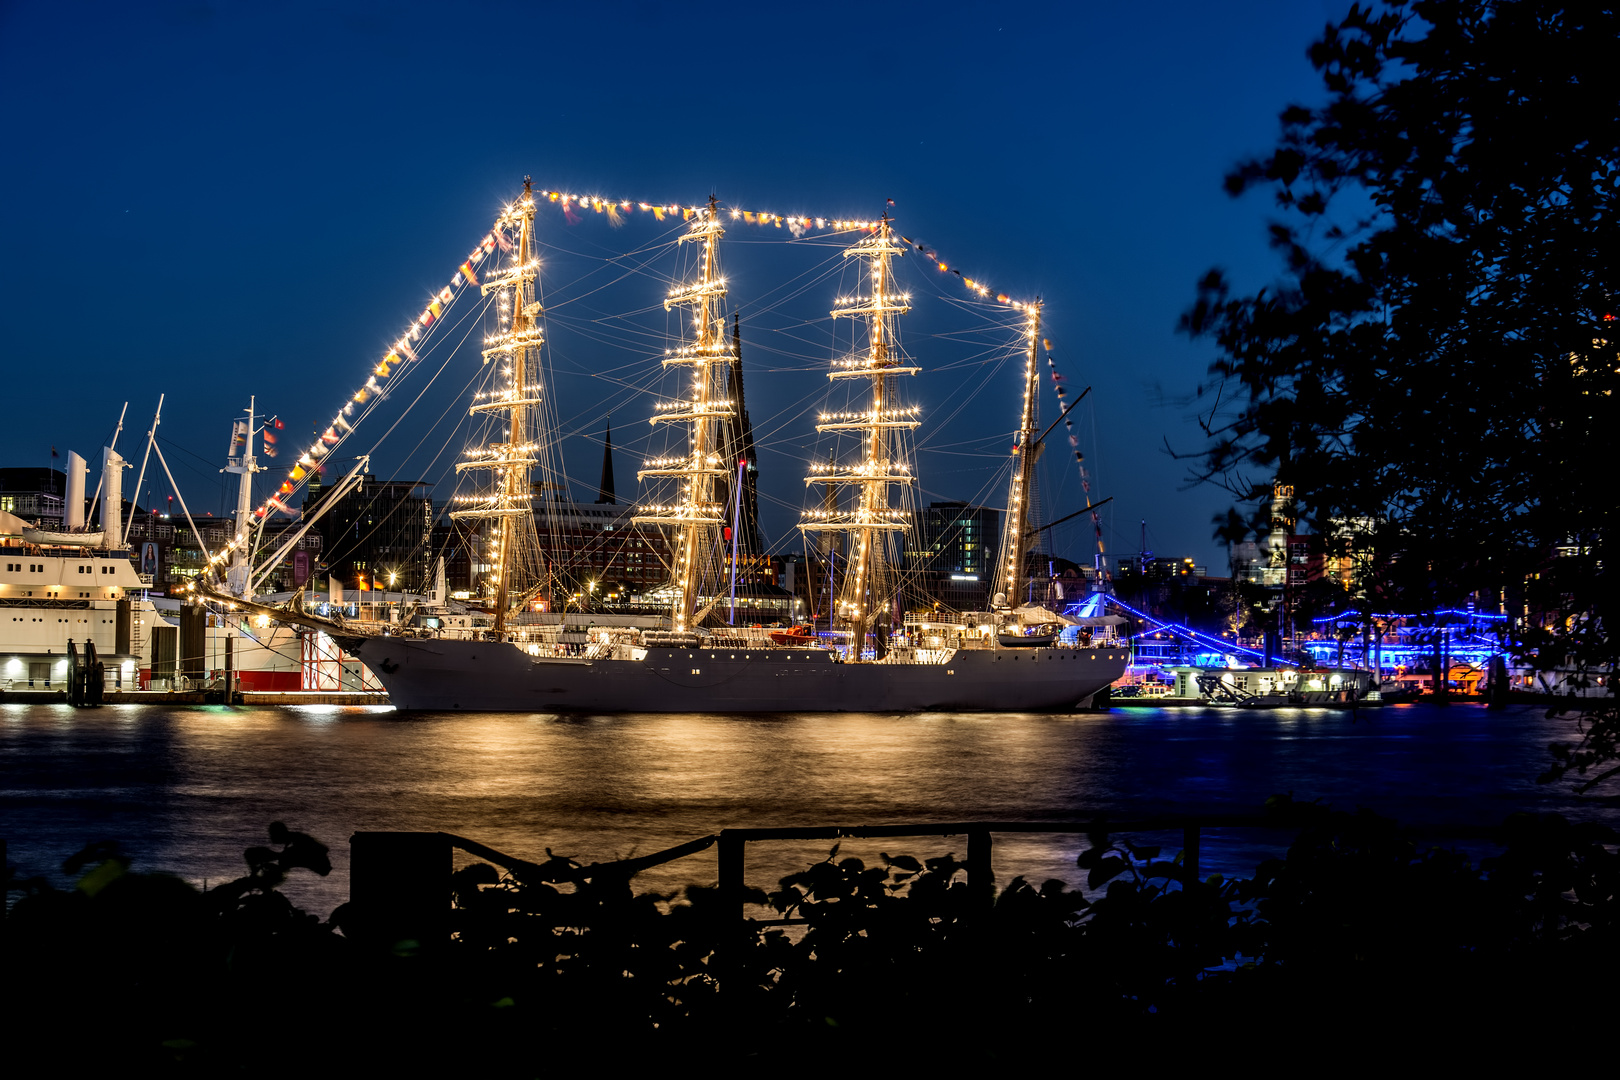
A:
(741, 437)
(604, 492)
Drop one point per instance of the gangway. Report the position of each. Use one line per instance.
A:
(1218, 691)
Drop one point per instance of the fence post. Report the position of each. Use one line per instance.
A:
(1189, 853)
(399, 887)
(731, 871)
(981, 873)
(728, 944)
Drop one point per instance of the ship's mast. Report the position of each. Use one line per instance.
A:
(696, 513)
(236, 576)
(1010, 574)
(868, 583)
(510, 454)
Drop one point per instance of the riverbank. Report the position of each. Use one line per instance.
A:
(580, 966)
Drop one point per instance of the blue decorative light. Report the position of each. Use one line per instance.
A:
(1226, 648)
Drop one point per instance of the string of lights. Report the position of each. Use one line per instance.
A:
(573, 206)
(1188, 632)
(1074, 441)
(402, 352)
(614, 210)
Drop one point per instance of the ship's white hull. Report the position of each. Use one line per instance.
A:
(425, 674)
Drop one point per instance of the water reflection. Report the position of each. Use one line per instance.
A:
(187, 789)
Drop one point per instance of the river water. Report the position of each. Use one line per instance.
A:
(186, 789)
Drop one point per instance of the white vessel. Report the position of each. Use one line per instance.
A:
(66, 588)
(83, 589)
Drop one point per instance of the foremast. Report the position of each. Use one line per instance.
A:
(869, 582)
(512, 451)
(695, 514)
(1010, 574)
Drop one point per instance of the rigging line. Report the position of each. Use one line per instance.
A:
(395, 479)
(631, 272)
(764, 435)
(819, 358)
(627, 392)
(619, 336)
(824, 269)
(579, 368)
(640, 378)
(451, 355)
(376, 401)
(652, 250)
(584, 426)
(624, 316)
(455, 401)
(677, 228)
(211, 466)
(983, 440)
(793, 241)
(401, 418)
(975, 335)
(989, 374)
(801, 321)
(610, 318)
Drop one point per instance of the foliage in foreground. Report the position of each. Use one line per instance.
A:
(899, 959)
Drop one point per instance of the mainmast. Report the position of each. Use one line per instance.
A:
(696, 513)
(868, 581)
(1010, 575)
(511, 451)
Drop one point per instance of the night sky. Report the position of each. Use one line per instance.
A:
(217, 200)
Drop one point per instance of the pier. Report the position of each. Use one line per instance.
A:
(204, 697)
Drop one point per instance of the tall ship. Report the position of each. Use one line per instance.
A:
(496, 655)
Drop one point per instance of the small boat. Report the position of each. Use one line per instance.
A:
(793, 636)
(53, 538)
(1026, 641)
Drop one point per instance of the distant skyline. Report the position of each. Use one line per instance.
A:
(213, 201)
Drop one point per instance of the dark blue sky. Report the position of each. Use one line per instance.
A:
(213, 200)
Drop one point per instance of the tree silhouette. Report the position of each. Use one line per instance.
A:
(1438, 363)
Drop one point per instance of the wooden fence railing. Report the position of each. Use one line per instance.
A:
(400, 881)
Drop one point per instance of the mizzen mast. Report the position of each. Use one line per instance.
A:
(869, 581)
(513, 448)
(696, 514)
(1010, 575)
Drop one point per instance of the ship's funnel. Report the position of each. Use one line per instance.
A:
(74, 507)
(112, 498)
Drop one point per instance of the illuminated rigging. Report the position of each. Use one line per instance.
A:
(515, 440)
(695, 514)
(870, 580)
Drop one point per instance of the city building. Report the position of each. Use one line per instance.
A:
(598, 558)
(165, 547)
(378, 534)
(34, 495)
(954, 553)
